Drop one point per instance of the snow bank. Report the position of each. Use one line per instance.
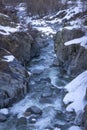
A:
(82, 41)
(76, 93)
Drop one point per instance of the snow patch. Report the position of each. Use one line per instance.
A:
(72, 27)
(74, 128)
(4, 111)
(1, 14)
(82, 41)
(29, 73)
(72, 11)
(8, 58)
(76, 93)
(6, 30)
(46, 30)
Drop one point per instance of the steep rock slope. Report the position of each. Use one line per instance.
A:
(13, 79)
(72, 55)
(17, 47)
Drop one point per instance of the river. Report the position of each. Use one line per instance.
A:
(47, 82)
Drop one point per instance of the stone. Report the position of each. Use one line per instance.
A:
(84, 118)
(46, 79)
(46, 94)
(21, 124)
(2, 117)
(32, 119)
(78, 118)
(34, 110)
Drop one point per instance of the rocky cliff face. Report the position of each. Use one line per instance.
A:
(72, 56)
(17, 46)
(13, 79)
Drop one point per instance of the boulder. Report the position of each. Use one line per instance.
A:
(32, 119)
(84, 118)
(34, 110)
(21, 124)
(71, 57)
(2, 117)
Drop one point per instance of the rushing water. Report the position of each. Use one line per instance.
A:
(46, 92)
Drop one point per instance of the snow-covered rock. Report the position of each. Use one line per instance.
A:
(75, 98)
(4, 111)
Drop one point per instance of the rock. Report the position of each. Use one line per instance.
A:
(86, 94)
(78, 118)
(47, 94)
(84, 118)
(71, 57)
(13, 80)
(37, 71)
(32, 119)
(21, 123)
(34, 110)
(85, 22)
(21, 44)
(2, 117)
(46, 79)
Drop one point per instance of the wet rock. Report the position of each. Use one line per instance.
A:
(21, 124)
(46, 79)
(37, 71)
(84, 118)
(33, 119)
(78, 118)
(46, 100)
(2, 117)
(85, 22)
(70, 116)
(71, 57)
(47, 94)
(34, 110)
